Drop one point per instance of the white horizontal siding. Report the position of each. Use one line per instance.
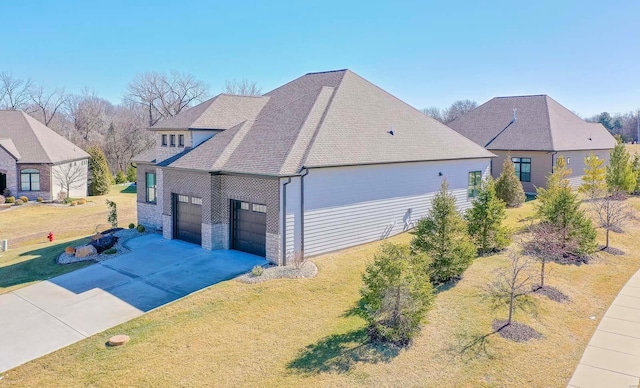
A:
(348, 206)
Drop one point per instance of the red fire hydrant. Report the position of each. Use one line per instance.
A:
(50, 236)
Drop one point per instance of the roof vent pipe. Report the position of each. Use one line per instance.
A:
(514, 115)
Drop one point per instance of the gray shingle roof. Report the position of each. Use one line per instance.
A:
(325, 119)
(220, 112)
(8, 146)
(541, 124)
(35, 142)
(148, 156)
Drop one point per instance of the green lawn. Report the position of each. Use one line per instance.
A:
(31, 257)
(301, 333)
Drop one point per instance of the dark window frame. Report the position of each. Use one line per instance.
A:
(30, 172)
(172, 140)
(474, 180)
(151, 191)
(180, 140)
(164, 140)
(518, 164)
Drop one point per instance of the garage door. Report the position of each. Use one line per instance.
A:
(249, 227)
(187, 218)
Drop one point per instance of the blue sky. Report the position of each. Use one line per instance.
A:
(585, 54)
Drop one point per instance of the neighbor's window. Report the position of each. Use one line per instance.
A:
(151, 187)
(30, 179)
(180, 140)
(475, 179)
(523, 168)
(164, 140)
(172, 140)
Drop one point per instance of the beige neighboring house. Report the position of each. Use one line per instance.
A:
(324, 162)
(534, 131)
(37, 162)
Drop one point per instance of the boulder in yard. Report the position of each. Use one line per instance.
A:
(86, 250)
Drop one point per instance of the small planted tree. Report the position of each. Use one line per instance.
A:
(594, 180)
(485, 219)
(510, 284)
(560, 207)
(547, 243)
(99, 175)
(508, 186)
(120, 177)
(620, 174)
(131, 174)
(611, 214)
(113, 214)
(396, 294)
(443, 236)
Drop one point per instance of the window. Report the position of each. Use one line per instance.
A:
(151, 187)
(183, 198)
(180, 140)
(523, 168)
(30, 179)
(172, 140)
(196, 201)
(475, 179)
(259, 208)
(164, 140)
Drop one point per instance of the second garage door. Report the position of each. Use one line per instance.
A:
(249, 227)
(187, 218)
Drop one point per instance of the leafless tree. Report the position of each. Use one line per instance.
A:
(511, 283)
(47, 102)
(88, 113)
(125, 138)
(70, 176)
(165, 95)
(434, 112)
(457, 109)
(611, 214)
(15, 92)
(242, 88)
(546, 242)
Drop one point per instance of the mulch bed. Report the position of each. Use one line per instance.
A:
(306, 271)
(517, 332)
(550, 292)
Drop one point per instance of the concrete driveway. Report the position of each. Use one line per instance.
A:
(49, 315)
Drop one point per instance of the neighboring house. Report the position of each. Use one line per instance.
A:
(534, 131)
(37, 162)
(324, 162)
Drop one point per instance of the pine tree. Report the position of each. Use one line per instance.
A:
(131, 173)
(560, 207)
(485, 219)
(508, 187)
(100, 177)
(594, 180)
(443, 236)
(636, 170)
(395, 294)
(620, 175)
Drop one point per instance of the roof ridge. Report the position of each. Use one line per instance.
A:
(546, 111)
(26, 118)
(523, 95)
(327, 71)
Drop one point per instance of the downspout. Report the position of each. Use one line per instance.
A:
(284, 221)
(553, 165)
(306, 172)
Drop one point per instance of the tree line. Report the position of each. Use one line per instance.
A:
(119, 129)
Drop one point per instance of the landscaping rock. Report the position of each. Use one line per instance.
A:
(118, 340)
(104, 243)
(85, 250)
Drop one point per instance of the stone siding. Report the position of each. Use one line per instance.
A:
(149, 214)
(8, 167)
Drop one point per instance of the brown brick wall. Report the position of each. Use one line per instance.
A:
(45, 181)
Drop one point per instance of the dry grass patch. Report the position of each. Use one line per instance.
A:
(26, 225)
(290, 332)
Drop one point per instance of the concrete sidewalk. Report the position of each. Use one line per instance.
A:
(612, 358)
(52, 314)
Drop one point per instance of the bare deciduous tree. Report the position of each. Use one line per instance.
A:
(125, 138)
(15, 92)
(457, 109)
(611, 214)
(70, 176)
(434, 113)
(87, 112)
(242, 88)
(511, 283)
(165, 95)
(546, 243)
(47, 102)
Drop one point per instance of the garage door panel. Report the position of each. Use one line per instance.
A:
(249, 228)
(187, 220)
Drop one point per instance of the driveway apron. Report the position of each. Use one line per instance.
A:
(52, 314)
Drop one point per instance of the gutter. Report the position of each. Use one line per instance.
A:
(284, 221)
